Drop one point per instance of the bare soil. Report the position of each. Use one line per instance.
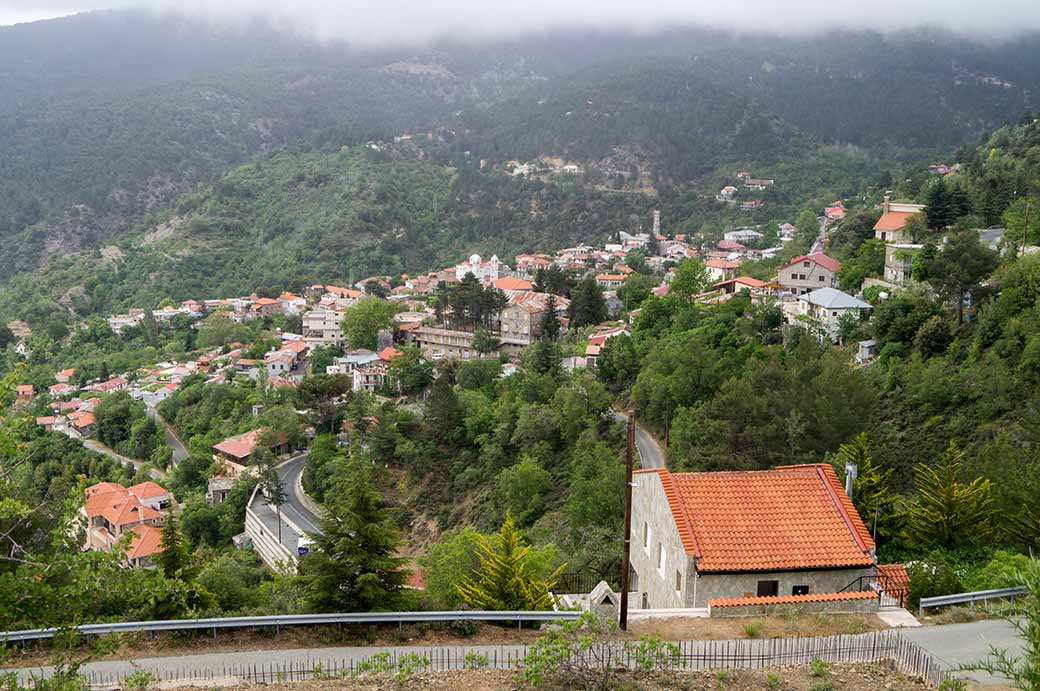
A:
(289, 638)
(843, 677)
(757, 627)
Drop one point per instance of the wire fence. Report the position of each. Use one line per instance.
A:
(876, 647)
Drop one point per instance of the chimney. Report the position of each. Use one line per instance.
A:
(657, 222)
(886, 204)
(851, 471)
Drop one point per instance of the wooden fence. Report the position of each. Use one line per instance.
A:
(875, 647)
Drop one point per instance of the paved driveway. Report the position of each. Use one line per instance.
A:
(961, 644)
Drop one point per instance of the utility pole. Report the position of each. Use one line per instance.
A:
(623, 618)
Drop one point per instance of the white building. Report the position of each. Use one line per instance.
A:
(490, 270)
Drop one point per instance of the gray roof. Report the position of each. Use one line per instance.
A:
(834, 299)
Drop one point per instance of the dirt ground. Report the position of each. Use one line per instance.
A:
(843, 677)
(181, 643)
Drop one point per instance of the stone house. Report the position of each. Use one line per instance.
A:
(809, 272)
(899, 262)
(235, 453)
(827, 305)
(721, 269)
(891, 227)
(702, 536)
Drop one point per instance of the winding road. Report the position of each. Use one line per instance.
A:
(298, 507)
(180, 452)
(650, 454)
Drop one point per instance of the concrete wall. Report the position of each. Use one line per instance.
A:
(746, 584)
(650, 507)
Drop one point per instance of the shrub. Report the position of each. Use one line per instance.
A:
(753, 629)
(818, 668)
(932, 576)
(822, 686)
(474, 660)
(773, 680)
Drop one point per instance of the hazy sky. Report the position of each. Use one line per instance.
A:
(376, 21)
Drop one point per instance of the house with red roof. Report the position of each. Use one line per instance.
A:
(891, 227)
(703, 537)
(809, 272)
(235, 453)
(112, 513)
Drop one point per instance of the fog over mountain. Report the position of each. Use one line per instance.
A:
(409, 21)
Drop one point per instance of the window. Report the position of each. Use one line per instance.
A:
(678, 581)
(822, 279)
(646, 536)
(768, 588)
(800, 590)
(660, 558)
(805, 264)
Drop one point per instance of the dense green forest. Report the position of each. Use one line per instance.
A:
(92, 145)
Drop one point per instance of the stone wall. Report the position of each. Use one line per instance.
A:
(746, 584)
(650, 507)
(837, 603)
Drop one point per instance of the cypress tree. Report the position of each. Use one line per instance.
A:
(949, 513)
(502, 581)
(173, 559)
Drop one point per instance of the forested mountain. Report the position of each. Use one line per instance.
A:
(106, 117)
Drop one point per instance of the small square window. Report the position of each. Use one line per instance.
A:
(768, 588)
(805, 264)
(822, 279)
(800, 590)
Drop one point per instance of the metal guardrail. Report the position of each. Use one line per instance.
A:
(959, 598)
(290, 620)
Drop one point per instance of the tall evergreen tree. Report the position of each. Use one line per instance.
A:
(355, 567)
(949, 513)
(173, 559)
(939, 212)
(550, 324)
(444, 413)
(502, 581)
(874, 502)
(587, 305)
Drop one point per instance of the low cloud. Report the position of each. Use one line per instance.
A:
(413, 21)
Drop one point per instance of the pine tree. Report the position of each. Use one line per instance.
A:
(587, 305)
(874, 502)
(444, 413)
(355, 567)
(173, 559)
(949, 513)
(502, 581)
(550, 324)
(939, 212)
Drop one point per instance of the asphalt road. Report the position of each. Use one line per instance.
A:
(100, 448)
(650, 454)
(954, 645)
(297, 505)
(180, 452)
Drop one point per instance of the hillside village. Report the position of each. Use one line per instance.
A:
(425, 318)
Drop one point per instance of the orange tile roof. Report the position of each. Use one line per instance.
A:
(147, 490)
(242, 445)
(118, 507)
(147, 541)
(791, 599)
(817, 257)
(512, 283)
(389, 353)
(893, 579)
(722, 264)
(893, 220)
(793, 517)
